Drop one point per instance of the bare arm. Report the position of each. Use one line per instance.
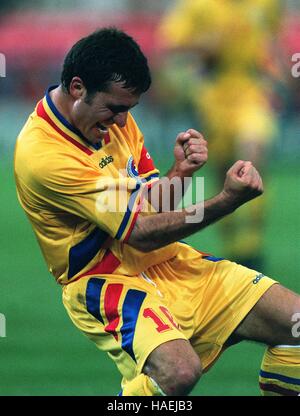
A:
(242, 184)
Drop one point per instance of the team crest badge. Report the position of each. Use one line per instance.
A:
(132, 169)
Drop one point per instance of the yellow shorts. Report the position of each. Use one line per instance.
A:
(202, 299)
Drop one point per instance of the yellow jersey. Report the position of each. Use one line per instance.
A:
(81, 200)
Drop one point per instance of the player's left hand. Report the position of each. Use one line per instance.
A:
(243, 183)
(190, 152)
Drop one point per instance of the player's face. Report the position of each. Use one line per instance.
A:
(94, 116)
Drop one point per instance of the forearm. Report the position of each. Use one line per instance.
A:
(166, 194)
(242, 184)
(158, 230)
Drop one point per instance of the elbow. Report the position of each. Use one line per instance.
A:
(141, 244)
(140, 240)
(147, 247)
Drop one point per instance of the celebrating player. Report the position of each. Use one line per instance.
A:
(162, 310)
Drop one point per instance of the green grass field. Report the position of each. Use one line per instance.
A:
(44, 354)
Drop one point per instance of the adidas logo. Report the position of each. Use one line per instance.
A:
(105, 161)
(258, 278)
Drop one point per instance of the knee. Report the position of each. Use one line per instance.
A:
(183, 379)
(180, 380)
(291, 334)
(176, 374)
(295, 331)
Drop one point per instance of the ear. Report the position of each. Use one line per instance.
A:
(77, 88)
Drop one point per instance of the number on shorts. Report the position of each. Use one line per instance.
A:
(161, 325)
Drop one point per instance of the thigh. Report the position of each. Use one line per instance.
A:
(271, 319)
(209, 297)
(123, 316)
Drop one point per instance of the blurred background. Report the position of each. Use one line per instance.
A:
(223, 67)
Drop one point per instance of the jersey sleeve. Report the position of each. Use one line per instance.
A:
(144, 163)
(146, 167)
(113, 204)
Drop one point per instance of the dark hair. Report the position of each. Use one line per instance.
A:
(105, 56)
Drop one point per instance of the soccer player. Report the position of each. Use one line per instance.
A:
(162, 310)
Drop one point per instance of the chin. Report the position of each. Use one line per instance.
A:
(91, 138)
(94, 140)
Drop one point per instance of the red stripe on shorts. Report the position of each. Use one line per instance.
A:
(111, 302)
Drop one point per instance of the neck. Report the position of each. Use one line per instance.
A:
(62, 102)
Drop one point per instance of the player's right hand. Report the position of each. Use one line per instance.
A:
(243, 183)
(190, 152)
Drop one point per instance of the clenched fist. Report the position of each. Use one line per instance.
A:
(190, 152)
(242, 183)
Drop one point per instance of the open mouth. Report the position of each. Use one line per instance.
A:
(102, 129)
